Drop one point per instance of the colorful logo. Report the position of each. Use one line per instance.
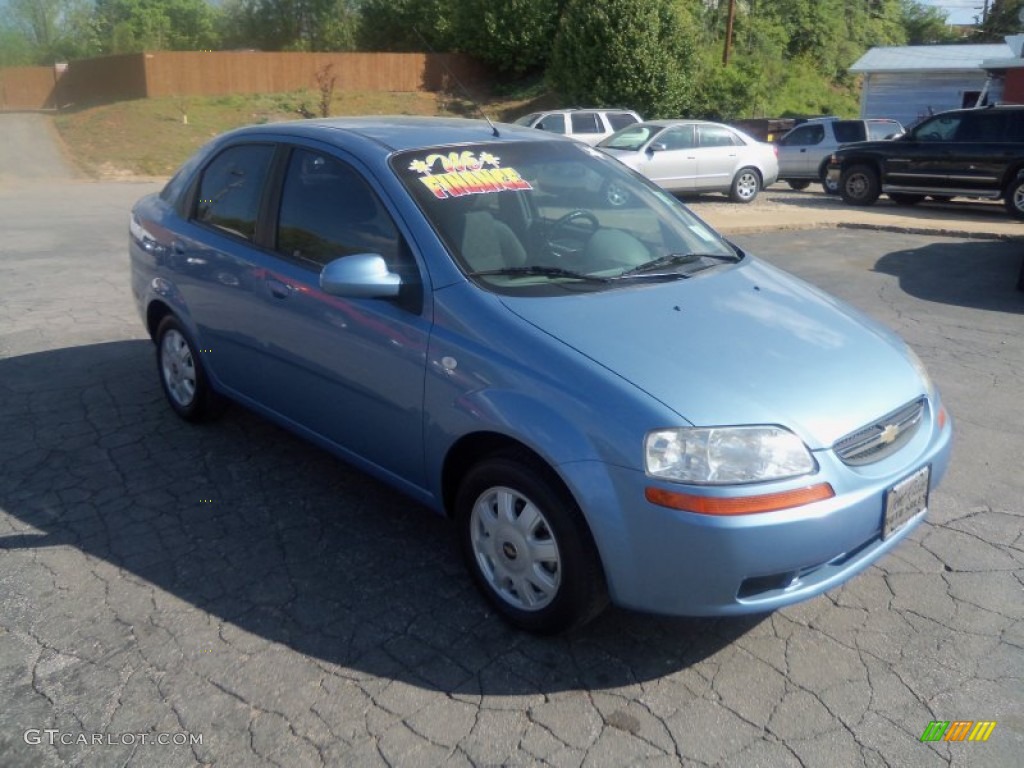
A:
(958, 730)
(463, 173)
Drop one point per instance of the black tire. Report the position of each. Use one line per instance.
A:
(182, 375)
(745, 185)
(798, 184)
(539, 569)
(859, 185)
(1013, 197)
(905, 199)
(828, 187)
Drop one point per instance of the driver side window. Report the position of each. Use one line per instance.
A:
(937, 129)
(328, 211)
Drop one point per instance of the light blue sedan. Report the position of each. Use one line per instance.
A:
(610, 401)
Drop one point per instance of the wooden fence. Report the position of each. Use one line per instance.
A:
(107, 79)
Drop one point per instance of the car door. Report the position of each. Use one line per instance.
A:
(796, 151)
(586, 127)
(672, 159)
(209, 259)
(718, 157)
(349, 369)
(924, 158)
(980, 151)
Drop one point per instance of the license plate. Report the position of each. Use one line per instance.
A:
(904, 500)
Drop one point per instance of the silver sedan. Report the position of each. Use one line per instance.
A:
(692, 156)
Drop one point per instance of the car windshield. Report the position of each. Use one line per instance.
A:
(544, 218)
(631, 138)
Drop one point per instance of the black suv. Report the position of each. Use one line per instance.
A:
(961, 153)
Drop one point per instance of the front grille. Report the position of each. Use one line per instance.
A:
(882, 437)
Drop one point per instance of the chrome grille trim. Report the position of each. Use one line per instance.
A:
(883, 436)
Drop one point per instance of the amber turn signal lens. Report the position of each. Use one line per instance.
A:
(738, 505)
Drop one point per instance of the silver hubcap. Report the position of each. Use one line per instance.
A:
(1018, 197)
(617, 195)
(857, 186)
(515, 548)
(179, 369)
(746, 186)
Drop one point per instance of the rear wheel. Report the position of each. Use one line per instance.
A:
(830, 187)
(526, 543)
(799, 184)
(745, 186)
(182, 375)
(904, 199)
(859, 185)
(1013, 197)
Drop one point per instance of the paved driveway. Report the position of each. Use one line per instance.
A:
(232, 584)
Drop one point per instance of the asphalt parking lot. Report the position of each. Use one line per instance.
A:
(251, 601)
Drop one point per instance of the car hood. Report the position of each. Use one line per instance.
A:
(630, 157)
(743, 344)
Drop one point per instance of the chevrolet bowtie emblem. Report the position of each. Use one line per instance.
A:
(889, 433)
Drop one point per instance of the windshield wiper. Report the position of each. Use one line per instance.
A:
(541, 270)
(675, 260)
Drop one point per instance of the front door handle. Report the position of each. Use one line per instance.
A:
(278, 289)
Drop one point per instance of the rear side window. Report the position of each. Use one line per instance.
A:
(619, 120)
(231, 189)
(849, 130)
(586, 122)
(804, 136)
(878, 131)
(983, 126)
(716, 136)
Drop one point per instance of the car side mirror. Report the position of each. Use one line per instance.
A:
(360, 276)
(657, 147)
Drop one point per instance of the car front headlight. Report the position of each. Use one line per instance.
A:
(726, 455)
(921, 371)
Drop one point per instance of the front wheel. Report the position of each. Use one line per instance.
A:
(182, 375)
(745, 186)
(859, 185)
(615, 194)
(1013, 198)
(798, 184)
(526, 543)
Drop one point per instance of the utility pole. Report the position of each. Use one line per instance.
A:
(728, 33)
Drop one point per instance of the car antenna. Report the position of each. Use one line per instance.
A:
(464, 89)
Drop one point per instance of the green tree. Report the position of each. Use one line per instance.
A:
(406, 25)
(44, 31)
(629, 53)
(1002, 20)
(291, 25)
(177, 25)
(513, 37)
(926, 24)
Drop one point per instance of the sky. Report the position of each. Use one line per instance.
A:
(958, 11)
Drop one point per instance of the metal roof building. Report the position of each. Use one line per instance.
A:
(910, 82)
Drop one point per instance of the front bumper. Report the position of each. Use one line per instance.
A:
(682, 563)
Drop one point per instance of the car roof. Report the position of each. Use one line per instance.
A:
(399, 132)
(567, 110)
(670, 123)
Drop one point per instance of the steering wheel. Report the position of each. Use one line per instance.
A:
(571, 216)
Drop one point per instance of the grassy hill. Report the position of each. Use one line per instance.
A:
(151, 137)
